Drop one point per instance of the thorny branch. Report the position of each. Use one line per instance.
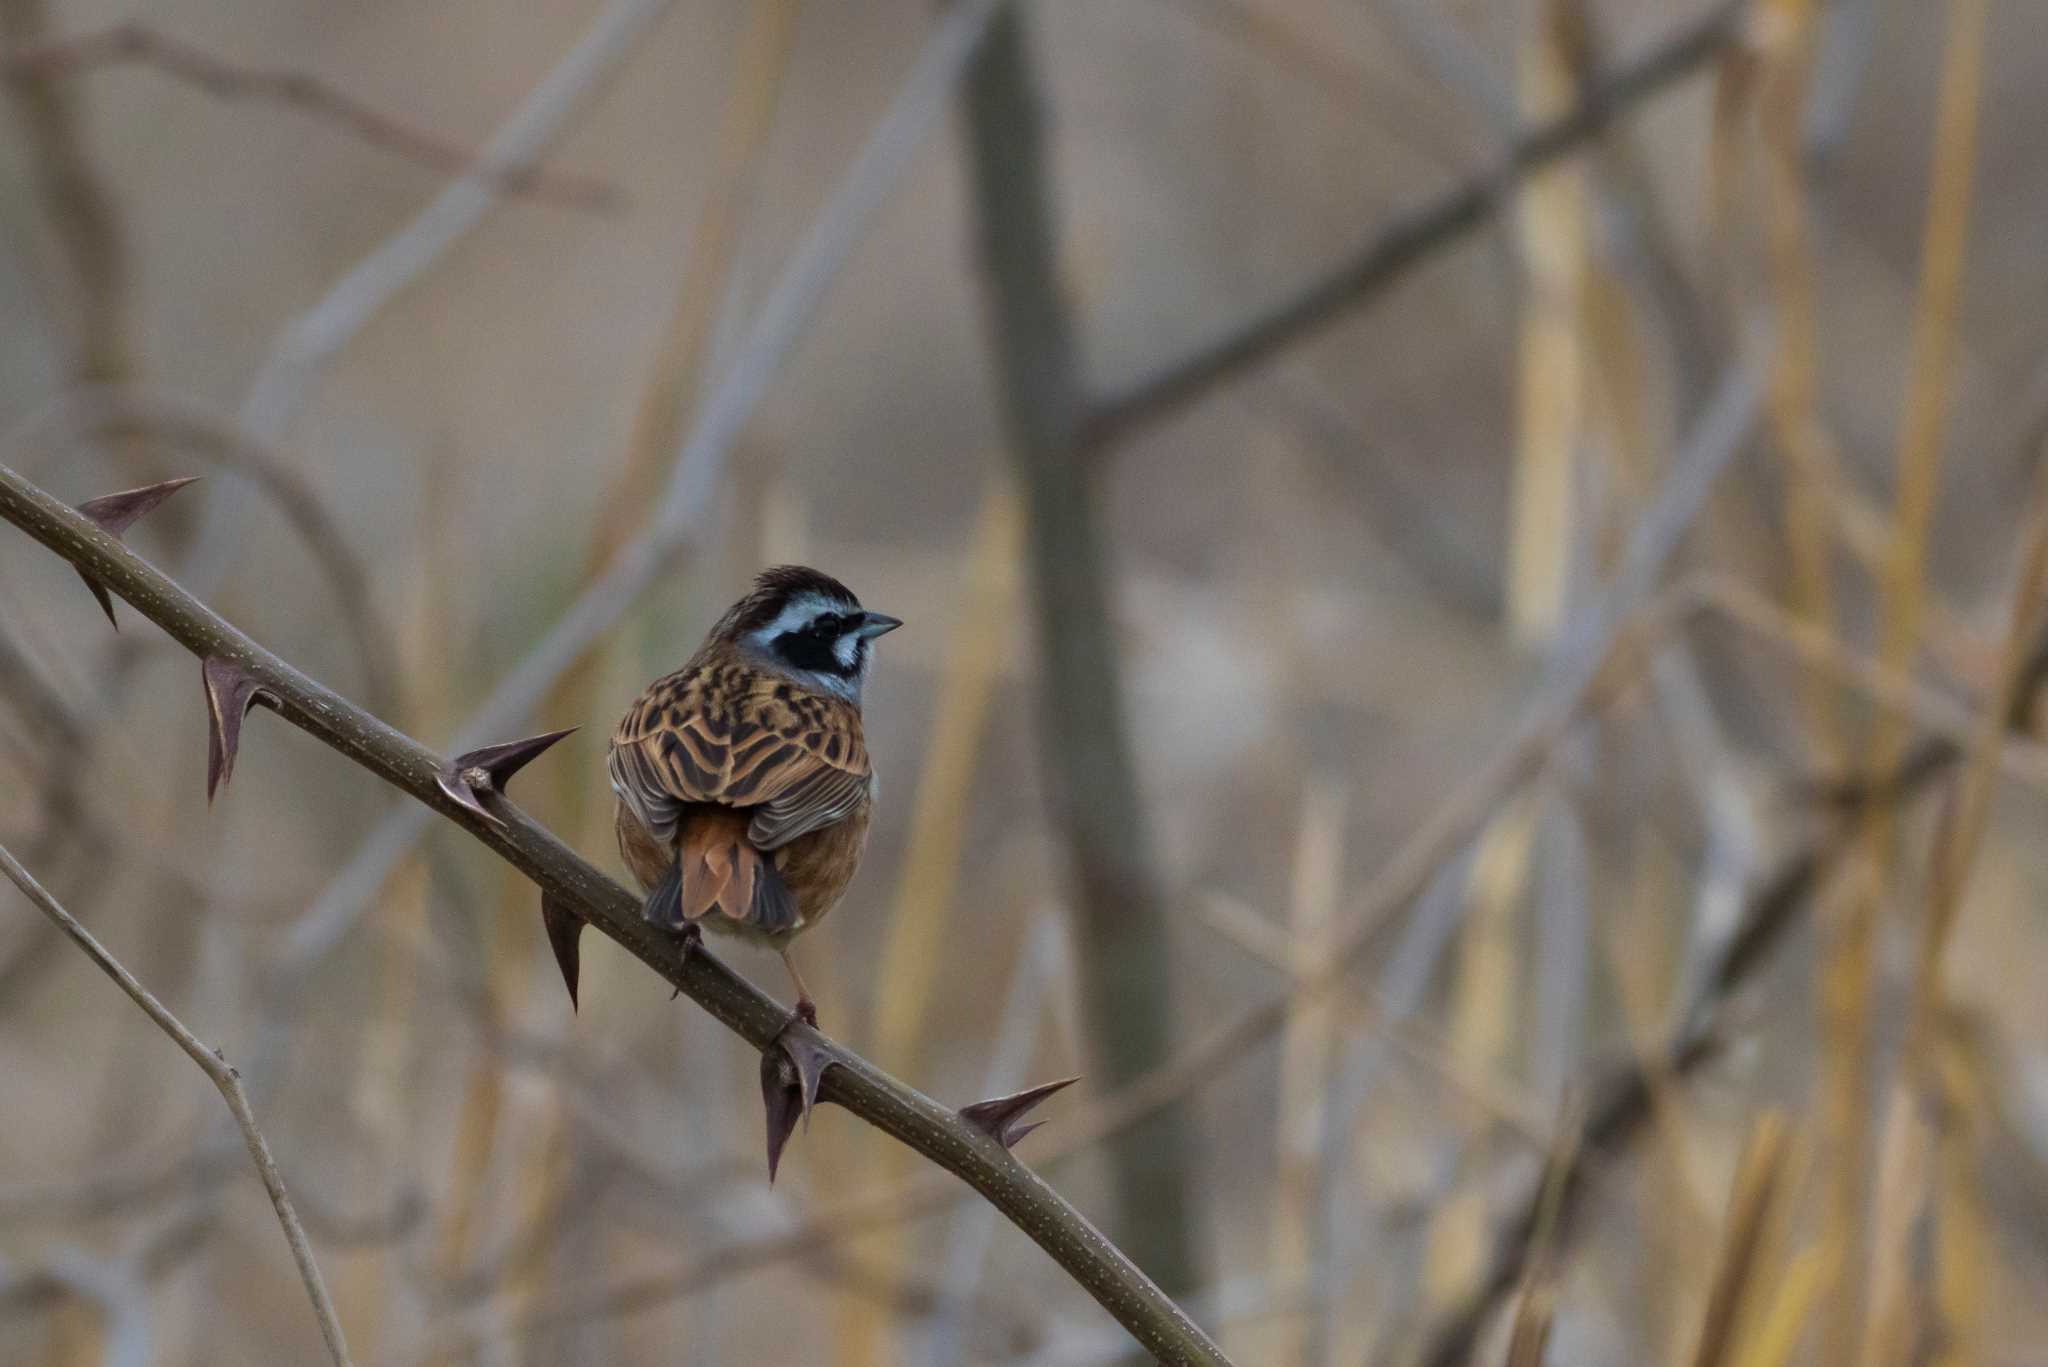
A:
(223, 1076)
(941, 1134)
(133, 41)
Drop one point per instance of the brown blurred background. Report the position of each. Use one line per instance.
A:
(1340, 582)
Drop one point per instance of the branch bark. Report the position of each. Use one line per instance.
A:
(1410, 238)
(223, 1076)
(936, 1131)
(1084, 744)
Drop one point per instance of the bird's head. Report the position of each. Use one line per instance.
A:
(807, 625)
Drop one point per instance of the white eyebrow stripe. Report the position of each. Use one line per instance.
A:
(799, 612)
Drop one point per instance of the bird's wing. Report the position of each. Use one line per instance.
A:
(795, 760)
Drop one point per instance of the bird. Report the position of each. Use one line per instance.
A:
(743, 779)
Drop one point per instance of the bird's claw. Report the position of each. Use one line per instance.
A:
(689, 940)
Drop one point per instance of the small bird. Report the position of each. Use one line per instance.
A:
(743, 779)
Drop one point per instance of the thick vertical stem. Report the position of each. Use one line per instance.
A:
(1085, 744)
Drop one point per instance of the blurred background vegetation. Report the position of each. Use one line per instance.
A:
(1594, 610)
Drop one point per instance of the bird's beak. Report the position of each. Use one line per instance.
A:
(875, 624)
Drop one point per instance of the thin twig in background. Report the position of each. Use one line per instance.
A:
(138, 42)
(941, 1134)
(797, 294)
(219, 1072)
(1410, 239)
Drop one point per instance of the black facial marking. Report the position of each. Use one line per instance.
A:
(811, 647)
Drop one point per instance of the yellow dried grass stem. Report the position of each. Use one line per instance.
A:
(1550, 386)
(1482, 1026)
(1847, 978)
(1308, 1044)
(1750, 1203)
(1786, 38)
(914, 945)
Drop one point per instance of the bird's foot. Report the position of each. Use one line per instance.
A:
(689, 940)
(805, 1010)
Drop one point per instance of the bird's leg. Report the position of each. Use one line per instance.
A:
(806, 1009)
(689, 939)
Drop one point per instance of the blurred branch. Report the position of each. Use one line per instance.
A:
(114, 1285)
(79, 205)
(309, 341)
(134, 41)
(110, 410)
(784, 314)
(850, 1080)
(217, 1069)
(1410, 239)
(1084, 744)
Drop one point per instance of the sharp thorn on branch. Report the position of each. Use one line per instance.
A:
(467, 777)
(791, 1071)
(114, 514)
(999, 1117)
(565, 929)
(230, 692)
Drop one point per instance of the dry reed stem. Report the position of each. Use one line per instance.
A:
(1305, 1150)
(1783, 1322)
(1785, 31)
(1751, 1198)
(1551, 225)
(1847, 978)
(1529, 1336)
(1640, 971)
(1482, 1024)
(222, 1075)
(918, 933)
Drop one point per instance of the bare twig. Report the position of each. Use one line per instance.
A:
(219, 1072)
(133, 41)
(1410, 238)
(698, 467)
(936, 1131)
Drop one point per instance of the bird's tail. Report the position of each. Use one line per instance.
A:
(717, 869)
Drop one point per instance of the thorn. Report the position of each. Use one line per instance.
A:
(998, 1116)
(791, 1071)
(468, 776)
(114, 514)
(564, 929)
(230, 692)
